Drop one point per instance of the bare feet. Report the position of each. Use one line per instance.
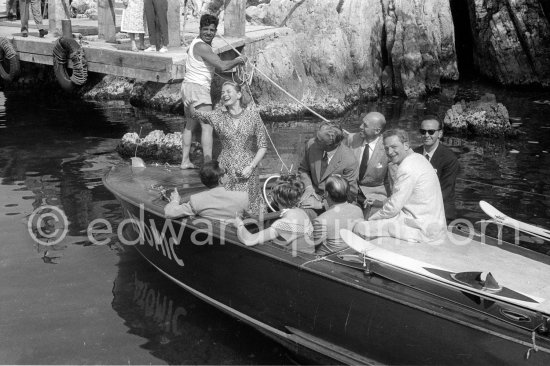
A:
(188, 165)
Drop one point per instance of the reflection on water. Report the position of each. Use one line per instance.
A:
(55, 152)
(180, 328)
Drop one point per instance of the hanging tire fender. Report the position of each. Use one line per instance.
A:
(8, 53)
(65, 49)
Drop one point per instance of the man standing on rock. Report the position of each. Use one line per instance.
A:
(442, 159)
(199, 70)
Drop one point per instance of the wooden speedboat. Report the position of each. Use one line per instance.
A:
(347, 307)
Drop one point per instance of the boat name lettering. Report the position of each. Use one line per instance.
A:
(162, 242)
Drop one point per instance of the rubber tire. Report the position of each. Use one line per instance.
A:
(67, 46)
(14, 66)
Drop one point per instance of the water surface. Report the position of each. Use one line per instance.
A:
(79, 303)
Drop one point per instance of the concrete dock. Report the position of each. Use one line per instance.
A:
(118, 59)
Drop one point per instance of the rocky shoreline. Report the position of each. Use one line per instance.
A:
(332, 59)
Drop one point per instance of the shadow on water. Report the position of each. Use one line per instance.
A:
(56, 152)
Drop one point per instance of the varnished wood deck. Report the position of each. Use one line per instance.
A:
(117, 59)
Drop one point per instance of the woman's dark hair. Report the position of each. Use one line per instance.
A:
(337, 188)
(210, 173)
(287, 191)
(208, 19)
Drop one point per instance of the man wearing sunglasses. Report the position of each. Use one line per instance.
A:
(442, 159)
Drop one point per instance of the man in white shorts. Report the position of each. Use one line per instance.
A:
(199, 70)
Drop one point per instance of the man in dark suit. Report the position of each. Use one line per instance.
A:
(368, 148)
(442, 159)
(325, 155)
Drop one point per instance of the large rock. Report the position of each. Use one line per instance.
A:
(484, 117)
(402, 48)
(511, 41)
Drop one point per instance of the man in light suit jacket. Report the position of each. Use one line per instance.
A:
(325, 155)
(214, 203)
(414, 211)
(442, 159)
(368, 147)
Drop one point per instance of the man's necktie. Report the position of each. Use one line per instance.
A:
(364, 161)
(427, 157)
(324, 163)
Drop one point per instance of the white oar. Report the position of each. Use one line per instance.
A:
(503, 219)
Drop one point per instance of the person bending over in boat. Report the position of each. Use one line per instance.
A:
(199, 70)
(414, 211)
(340, 215)
(325, 155)
(244, 142)
(215, 203)
(293, 229)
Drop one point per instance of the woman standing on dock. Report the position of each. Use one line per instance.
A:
(244, 142)
(133, 22)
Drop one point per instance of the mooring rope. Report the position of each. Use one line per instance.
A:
(274, 83)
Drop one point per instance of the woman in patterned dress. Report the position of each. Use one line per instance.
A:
(293, 230)
(133, 22)
(244, 142)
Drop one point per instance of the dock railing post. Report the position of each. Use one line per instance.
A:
(234, 20)
(106, 20)
(56, 13)
(174, 15)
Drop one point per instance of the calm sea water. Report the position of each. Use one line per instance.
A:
(79, 303)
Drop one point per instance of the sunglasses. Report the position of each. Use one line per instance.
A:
(430, 132)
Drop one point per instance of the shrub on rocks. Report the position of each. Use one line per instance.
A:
(484, 117)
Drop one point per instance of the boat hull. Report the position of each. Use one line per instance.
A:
(304, 309)
(329, 309)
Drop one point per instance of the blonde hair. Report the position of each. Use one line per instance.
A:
(244, 96)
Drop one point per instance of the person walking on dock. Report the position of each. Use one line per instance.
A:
(36, 14)
(199, 70)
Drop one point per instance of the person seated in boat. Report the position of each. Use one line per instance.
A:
(368, 147)
(325, 155)
(244, 142)
(340, 215)
(443, 160)
(293, 229)
(214, 203)
(414, 211)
